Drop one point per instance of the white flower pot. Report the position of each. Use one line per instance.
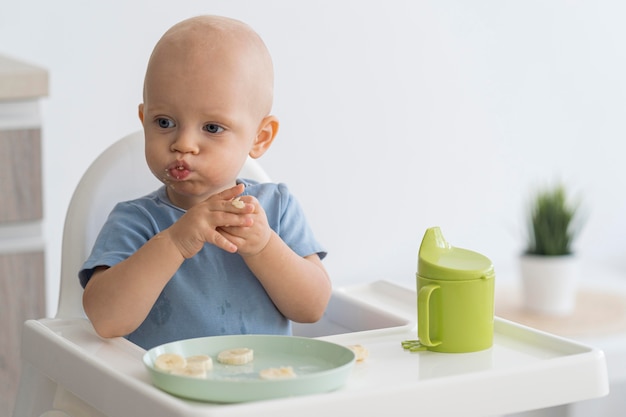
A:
(550, 283)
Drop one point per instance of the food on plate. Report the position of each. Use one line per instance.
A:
(236, 202)
(168, 362)
(191, 371)
(238, 356)
(203, 362)
(360, 352)
(284, 372)
(194, 366)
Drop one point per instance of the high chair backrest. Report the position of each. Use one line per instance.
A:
(120, 173)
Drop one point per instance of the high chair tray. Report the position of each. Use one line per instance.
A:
(525, 369)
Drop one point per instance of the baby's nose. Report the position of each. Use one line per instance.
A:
(185, 142)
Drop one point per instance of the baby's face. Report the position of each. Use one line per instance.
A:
(199, 121)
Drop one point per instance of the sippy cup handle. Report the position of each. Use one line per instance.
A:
(423, 308)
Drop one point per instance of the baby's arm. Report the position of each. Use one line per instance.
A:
(118, 299)
(298, 286)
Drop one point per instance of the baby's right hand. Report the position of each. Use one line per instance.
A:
(199, 225)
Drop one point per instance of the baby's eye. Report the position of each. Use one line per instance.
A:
(213, 128)
(164, 123)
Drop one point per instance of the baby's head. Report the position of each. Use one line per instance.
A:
(204, 47)
(207, 99)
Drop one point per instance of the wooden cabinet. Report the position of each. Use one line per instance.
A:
(22, 254)
(20, 175)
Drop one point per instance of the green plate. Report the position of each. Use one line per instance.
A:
(320, 366)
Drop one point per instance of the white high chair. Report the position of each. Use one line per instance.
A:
(119, 173)
(68, 371)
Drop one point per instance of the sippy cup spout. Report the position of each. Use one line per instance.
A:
(433, 238)
(433, 244)
(437, 259)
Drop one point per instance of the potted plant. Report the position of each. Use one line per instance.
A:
(550, 269)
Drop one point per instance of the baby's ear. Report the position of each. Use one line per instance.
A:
(140, 112)
(265, 136)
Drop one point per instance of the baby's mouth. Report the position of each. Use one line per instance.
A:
(178, 170)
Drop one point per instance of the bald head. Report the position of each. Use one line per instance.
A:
(206, 45)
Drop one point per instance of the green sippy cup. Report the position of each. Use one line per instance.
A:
(455, 297)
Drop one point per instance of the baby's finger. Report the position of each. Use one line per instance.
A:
(231, 193)
(236, 220)
(221, 242)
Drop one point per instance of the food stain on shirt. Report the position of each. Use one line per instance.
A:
(161, 311)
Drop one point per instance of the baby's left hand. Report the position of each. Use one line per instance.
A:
(250, 240)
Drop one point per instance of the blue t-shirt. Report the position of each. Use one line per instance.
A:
(214, 292)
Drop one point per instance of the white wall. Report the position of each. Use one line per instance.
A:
(396, 115)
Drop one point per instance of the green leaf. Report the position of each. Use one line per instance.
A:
(551, 225)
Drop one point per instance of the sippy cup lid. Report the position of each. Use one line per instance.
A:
(439, 260)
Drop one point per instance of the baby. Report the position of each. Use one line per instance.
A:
(184, 261)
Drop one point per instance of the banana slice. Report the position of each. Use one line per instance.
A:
(238, 203)
(360, 352)
(284, 372)
(169, 362)
(239, 356)
(190, 371)
(203, 362)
